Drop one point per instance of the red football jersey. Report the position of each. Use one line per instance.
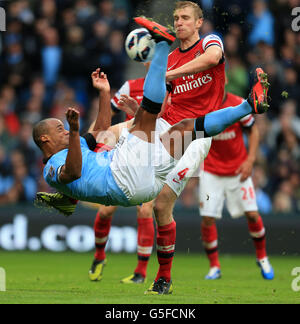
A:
(132, 88)
(228, 150)
(195, 95)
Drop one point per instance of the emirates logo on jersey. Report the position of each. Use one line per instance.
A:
(197, 54)
(191, 83)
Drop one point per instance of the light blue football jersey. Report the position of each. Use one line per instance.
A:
(96, 184)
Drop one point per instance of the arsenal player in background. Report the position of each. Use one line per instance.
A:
(227, 175)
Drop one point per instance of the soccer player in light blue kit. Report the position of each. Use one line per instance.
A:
(136, 170)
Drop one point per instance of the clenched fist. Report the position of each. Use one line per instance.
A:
(73, 119)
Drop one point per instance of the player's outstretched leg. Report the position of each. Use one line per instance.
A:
(154, 87)
(216, 122)
(257, 103)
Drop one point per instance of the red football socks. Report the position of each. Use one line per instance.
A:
(166, 238)
(102, 229)
(258, 234)
(145, 244)
(210, 242)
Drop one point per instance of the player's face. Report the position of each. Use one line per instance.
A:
(185, 23)
(58, 135)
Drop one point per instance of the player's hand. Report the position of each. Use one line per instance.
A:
(73, 119)
(100, 81)
(245, 170)
(128, 104)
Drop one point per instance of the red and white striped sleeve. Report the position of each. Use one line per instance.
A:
(212, 40)
(125, 89)
(247, 121)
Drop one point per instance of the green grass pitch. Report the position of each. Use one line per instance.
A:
(49, 278)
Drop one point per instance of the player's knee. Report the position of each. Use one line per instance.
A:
(252, 216)
(107, 213)
(163, 209)
(161, 204)
(145, 211)
(165, 201)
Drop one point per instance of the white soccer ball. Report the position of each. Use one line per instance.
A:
(140, 46)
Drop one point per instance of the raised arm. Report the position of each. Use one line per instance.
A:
(71, 171)
(103, 121)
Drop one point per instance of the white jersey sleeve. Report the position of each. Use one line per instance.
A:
(247, 121)
(212, 40)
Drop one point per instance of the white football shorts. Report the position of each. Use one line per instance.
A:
(215, 190)
(140, 168)
(188, 165)
(183, 170)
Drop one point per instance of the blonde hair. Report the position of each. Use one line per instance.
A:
(183, 4)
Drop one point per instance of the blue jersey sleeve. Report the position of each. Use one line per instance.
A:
(57, 161)
(53, 167)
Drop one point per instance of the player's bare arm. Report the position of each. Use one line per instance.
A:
(101, 83)
(71, 171)
(212, 57)
(245, 170)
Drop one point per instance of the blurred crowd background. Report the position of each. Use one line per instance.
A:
(51, 47)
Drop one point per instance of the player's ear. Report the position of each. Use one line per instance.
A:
(199, 23)
(44, 139)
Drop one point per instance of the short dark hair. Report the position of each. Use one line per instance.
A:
(40, 129)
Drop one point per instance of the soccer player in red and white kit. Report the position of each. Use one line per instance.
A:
(196, 73)
(227, 175)
(133, 89)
